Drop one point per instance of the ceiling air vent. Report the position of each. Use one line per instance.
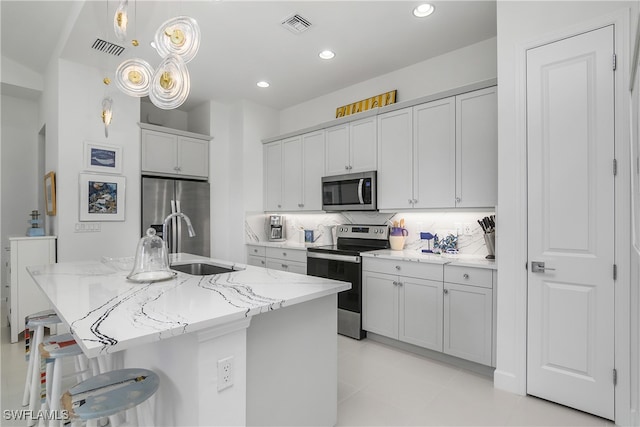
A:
(296, 24)
(107, 47)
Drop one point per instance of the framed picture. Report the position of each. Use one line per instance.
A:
(102, 197)
(102, 158)
(50, 193)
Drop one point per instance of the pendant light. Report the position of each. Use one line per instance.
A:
(171, 83)
(107, 109)
(133, 77)
(120, 20)
(180, 36)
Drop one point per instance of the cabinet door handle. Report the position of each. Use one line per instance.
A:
(262, 261)
(279, 206)
(415, 201)
(465, 275)
(458, 199)
(255, 250)
(395, 283)
(446, 291)
(285, 266)
(346, 167)
(400, 283)
(410, 201)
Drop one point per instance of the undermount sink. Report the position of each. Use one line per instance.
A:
(201, 269)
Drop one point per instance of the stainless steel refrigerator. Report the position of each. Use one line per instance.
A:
(163, 196)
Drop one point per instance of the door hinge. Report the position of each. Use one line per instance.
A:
(615, 167)
(615, 376)
(615, 272)
(615, 62)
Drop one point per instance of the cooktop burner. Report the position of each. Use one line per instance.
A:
(354, 239)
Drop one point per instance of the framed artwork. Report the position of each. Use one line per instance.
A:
(102, 197)
(50, 193)
(102, 158)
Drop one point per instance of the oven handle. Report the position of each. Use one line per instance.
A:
(354, 259)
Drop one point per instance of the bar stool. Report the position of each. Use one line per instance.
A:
(53, 350)
(110, 393)
(36, 321)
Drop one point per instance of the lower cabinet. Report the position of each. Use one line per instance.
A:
(468, 322)
(25, 297)
(449, 309)
(405, 308)
(284, 259)
(287, 259)
(256, 255)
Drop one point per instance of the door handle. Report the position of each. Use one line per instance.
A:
(538, 267)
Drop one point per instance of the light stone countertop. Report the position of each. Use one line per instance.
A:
(108, 313)
(412, 255)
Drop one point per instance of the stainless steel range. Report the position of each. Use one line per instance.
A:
(342, 261)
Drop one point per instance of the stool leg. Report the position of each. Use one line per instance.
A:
(34, 397)
(27, 382)
(56, 390)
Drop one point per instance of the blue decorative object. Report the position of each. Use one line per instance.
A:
(428, 237)
(449, 244)
(34, 230)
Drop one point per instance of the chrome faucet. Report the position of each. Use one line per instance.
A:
(165, 226)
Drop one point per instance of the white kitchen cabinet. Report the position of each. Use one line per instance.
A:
(403, 307)
(440, 154)
(434, 136)
(468, 314)
(395, 159)
(477, 149)
(351, 147)
(273, 176)
(166, 153)
(287, 259)
(25, 297)
(293, 172)
(303, 162)
(256, 255)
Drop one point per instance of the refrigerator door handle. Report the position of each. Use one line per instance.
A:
(179, 232)
(174, 231)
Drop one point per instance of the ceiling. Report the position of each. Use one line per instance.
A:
(243, 41)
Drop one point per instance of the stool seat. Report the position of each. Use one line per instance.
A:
(42, 318)
(109, 393)
(62, 345)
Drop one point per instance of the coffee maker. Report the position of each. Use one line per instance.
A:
(276, 228)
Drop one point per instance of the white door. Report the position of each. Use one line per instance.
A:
(337, 150)
(362, 145)
(313, 170)
(292, 174)
(570, 132)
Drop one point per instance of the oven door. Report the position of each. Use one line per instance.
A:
(346, 268)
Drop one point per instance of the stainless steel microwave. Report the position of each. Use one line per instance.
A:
(350, 192)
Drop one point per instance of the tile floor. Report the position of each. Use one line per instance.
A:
(382, 386)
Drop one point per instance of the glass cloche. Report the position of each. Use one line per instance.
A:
(152, 261)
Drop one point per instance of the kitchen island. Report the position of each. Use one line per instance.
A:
(276, 329)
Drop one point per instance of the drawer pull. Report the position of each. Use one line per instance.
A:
(397, 267)
(465, 275)
(284, 254)
(446, 291)
(285, 266)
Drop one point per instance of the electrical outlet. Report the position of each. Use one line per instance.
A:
(225, 373)
(467, 228)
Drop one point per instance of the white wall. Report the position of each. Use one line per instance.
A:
(19, 168)
(521, 23)
(174, 119)
(461, 67)
(80, 94)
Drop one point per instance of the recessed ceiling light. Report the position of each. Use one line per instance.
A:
(326, 54)
(262, 84)
(423, 10)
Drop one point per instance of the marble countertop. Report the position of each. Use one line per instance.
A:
(107, 313)
(413, 255)
(287, 244)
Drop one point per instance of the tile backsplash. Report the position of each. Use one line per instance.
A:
(442, 223)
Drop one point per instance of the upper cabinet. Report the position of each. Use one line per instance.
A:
(173, 153)
(351, 147)
(439, 154)
(293, 172)
(477, 148)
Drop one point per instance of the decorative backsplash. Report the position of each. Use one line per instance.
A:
(442, 223)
